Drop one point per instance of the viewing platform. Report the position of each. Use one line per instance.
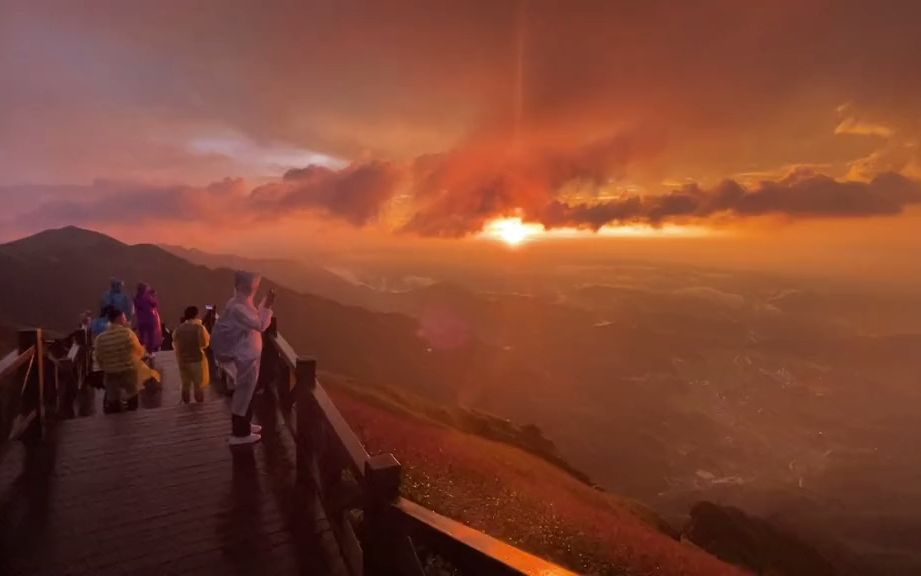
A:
(158, 491)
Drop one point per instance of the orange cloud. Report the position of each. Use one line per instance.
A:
(862, 128)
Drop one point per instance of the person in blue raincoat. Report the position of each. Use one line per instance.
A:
(119, 300)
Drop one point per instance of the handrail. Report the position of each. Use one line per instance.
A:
(332, 462)
(12, 361)
(342, 433)
(29, 412)
(485, 553)
(285, 350)
(73, 352)
(27, 395)
(36, 388)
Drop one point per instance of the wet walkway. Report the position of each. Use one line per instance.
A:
(159, 492)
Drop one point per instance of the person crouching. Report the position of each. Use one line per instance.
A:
(118, 352)
(190, 339)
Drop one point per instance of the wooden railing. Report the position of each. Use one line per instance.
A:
(38, 377)
(378, 531)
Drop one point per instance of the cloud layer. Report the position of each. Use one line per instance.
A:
(356, 194)
(454, 198)
(127, 90)
(798, 196)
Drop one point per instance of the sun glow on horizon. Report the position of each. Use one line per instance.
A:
(514, 232)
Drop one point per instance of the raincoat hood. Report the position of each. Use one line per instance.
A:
(245, 284)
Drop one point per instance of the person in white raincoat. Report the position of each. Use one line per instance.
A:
(241, 327)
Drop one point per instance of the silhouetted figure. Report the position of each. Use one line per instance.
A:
(118, 352)
(147, 305)
(210, 317)
(190, 340)
(118, 299)
(101, 323)
(167, 337)
(237, 346)
(208, 321)
(86, 319)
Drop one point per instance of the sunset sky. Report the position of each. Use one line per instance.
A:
(785, 124)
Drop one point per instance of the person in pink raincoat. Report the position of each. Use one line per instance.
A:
(147, 314)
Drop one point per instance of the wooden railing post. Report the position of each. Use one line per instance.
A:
(268, 363)
(305, 373)
(34, 388)
(383, 474)
(75, 365)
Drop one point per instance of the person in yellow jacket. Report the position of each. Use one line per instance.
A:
(119, 352)
(190, 340)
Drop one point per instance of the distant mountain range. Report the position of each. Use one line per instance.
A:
(299, 276)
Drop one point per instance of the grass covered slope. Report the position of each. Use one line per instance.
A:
(517, 496)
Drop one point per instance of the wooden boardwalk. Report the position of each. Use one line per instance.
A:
(159, 492)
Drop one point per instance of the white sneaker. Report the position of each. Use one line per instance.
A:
(255, 429)
(244, 440)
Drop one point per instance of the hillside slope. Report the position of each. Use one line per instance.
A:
(520, 498)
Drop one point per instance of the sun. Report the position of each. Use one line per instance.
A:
(512, 231)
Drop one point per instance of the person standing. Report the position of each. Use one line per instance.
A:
(237, 345)
(208, 322)
(101, 323)
(116, 298)
(118, 352)
(190, 339)
(149, 327)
